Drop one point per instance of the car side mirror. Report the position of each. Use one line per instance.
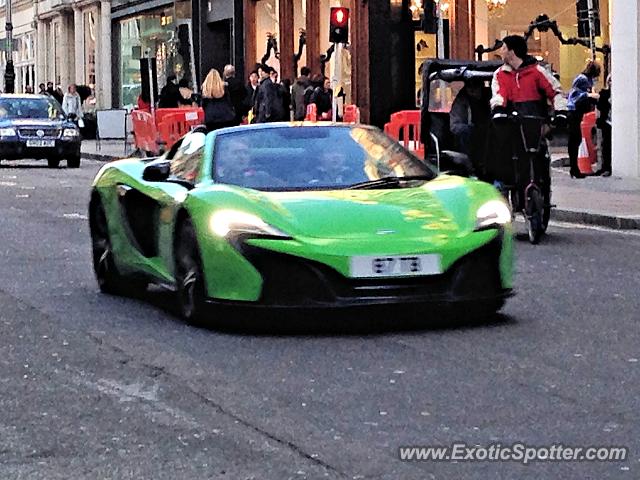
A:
(456, 163)
(157, 172)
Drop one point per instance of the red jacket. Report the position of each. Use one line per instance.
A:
(527, 89)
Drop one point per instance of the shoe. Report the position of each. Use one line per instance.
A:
(575, 174)
(606, 173)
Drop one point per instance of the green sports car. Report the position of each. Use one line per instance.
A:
(299, 215)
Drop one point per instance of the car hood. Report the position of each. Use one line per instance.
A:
(33, 122)
(441, 208)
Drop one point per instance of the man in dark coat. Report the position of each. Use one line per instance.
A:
(237, 92)
(268, 102)
(170, 94)
(300, 87)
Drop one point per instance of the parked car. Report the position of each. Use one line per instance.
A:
(34, 126)
(299, 215)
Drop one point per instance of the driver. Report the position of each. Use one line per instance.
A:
(234, 165)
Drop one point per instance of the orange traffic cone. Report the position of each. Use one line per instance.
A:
(584, 159)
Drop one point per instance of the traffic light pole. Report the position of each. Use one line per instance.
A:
(592, 28)
(336, 81)
(9, 72)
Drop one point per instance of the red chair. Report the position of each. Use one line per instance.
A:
(405, 127)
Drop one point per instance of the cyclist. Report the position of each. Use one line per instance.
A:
(523, 86)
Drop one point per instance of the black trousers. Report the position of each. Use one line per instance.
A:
(575, 138)
(606, 147)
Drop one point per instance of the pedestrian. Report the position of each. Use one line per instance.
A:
(216, 103)
(72, 105)
(186, 94)
(604, 124)
(54, 93)
(323, 98)
(301, 86)
(268, 102)
(285, 86)
(582, 99)
(42, 89)
(28, 89)
(170, 94)
(237, 92)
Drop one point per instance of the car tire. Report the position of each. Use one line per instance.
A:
(53, 162)
(73, 162)
(190, 282)
(107, 275)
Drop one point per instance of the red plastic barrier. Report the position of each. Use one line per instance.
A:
(144, 131)
(405, 127)
(587, 154)
(189, 112)
(312, 113)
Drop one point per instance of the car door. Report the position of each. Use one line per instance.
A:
(149, 207)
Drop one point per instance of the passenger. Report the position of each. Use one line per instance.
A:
(470, 119)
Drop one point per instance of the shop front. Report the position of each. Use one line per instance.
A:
(162, 32)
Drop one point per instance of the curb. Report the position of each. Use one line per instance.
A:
(98, 157)
(596, 219)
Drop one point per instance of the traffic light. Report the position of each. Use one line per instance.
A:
(430, 18)
(582, 9)
(339, 25)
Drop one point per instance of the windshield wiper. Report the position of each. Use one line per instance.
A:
(387, 182)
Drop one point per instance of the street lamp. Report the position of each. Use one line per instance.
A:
(9, 72)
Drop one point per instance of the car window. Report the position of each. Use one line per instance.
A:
(36, 107)
(314, 157)
(187, 160)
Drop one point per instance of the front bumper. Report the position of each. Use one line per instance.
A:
(17, 149)
(291, 281)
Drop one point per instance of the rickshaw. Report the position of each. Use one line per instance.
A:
(522, 181)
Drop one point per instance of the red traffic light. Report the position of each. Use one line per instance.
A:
(339, 16)
(339, 25)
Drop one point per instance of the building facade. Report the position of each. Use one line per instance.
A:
(73, 41)
(24, 42)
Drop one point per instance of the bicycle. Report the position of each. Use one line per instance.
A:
(533, 200)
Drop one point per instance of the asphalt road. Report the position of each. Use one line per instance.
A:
(100, 387)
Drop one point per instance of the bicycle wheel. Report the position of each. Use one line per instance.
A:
(534, 215)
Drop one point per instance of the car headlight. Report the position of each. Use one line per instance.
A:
(7, 132)
(224, 222)
(492, 214)
(70, 132)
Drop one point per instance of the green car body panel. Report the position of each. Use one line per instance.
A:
(326, 226)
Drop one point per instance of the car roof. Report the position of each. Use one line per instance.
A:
(267, 126)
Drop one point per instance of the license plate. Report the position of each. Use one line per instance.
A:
(41, 143)
(378, 266)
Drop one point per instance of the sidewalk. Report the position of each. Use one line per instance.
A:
(109, 150)
(611, 202)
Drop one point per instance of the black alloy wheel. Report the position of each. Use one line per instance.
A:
(107, 275)
(190, 281)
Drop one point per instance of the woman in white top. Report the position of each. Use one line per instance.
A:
(73, 104)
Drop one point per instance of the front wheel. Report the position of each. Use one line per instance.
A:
(535, 215)
(73, 162)
(53, 162)
(190, 280)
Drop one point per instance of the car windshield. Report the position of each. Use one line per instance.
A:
(40, 108)
(312, 158)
